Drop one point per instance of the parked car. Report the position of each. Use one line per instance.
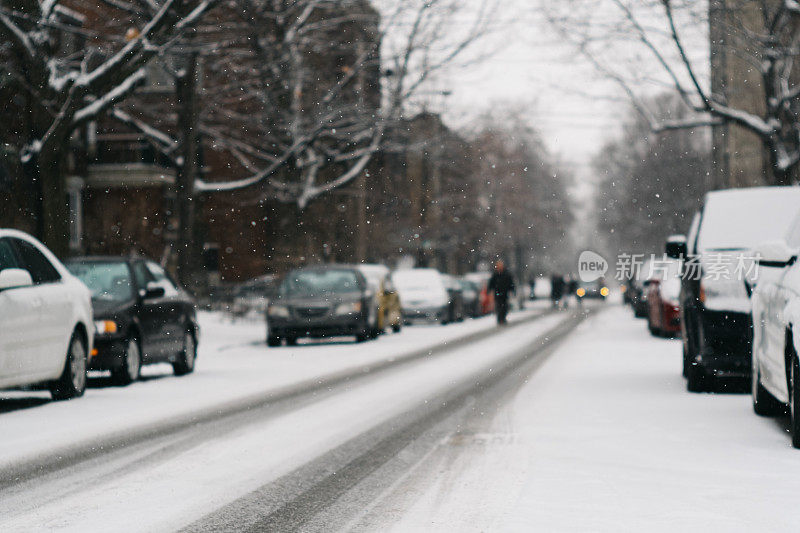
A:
(540, 288)
(46, 327)
(390, 312)
(716, 325)
(486, 296)
(423, 294)
(663, 294)
(141, 316)
(253, 296)
(471, 292)
(456, 298)
(637, 291)
(775, 373)
(322, 301)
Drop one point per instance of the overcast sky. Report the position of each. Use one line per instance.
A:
(575, 108)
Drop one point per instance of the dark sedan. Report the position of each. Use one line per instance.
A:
(322, 301)
(141, 316)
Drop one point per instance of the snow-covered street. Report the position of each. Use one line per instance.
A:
(555, 423)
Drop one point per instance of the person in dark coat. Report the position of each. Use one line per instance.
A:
(556, 289)
(502, 285)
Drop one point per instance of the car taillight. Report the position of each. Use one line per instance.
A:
(702, 295)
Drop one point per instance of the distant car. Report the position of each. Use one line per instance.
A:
(592, 289)
(637, 291)
(775, 373)
(663, 295)
(424, 295)
(716, 326)
(540, 288)
(253, 296)
(141, 316)
(322, 301)
(456, 293)
(46, 327)
(390, 312)
(486, 296)
(471, 292)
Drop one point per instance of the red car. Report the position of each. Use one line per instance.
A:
(663, 290)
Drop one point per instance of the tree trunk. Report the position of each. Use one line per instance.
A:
(187, 249)
(51, 209)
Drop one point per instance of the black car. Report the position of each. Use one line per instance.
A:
(322, 301)
(716, 326)
(141, 316)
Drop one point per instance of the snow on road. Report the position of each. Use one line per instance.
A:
(233, 363)
(604, 437)
(187, 481)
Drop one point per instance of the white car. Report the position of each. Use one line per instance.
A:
(776, 329)
(423, 293)
(46, 327)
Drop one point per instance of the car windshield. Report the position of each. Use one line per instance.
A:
(310, 283)
(108, 281)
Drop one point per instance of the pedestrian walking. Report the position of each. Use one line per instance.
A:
(501, 284)
(556, 289)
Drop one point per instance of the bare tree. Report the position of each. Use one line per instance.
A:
(66, 83)
(762, 34)
(302, 95)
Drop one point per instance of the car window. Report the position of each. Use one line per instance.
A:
(35, 262)
(161, 279)
(141, 275)
(108, 281)
(7, 257)
(320, 282)
(388, 286)
(691, 238)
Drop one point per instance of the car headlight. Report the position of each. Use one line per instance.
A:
(278, 311)
(604, 291)
(105, 327)
(581, 292)
(348, 308)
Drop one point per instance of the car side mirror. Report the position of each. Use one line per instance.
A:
(775, 254)
(153, 292)
(676, 247)
(14, 278)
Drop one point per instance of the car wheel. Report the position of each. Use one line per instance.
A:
(397, 327)
(72, 383)
(362, 337)
(764, 403)
(184, 364)
(291, 341)
(131, 366)
(274, 342)
(794, 399)
(696, 379)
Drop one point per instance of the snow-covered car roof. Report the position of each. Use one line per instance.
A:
(740, 219)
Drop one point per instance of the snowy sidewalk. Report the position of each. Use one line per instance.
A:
(604, 437)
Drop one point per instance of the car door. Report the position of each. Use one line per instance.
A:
(149, 313)
(51, 296)
(19, 317)
(172, 309)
